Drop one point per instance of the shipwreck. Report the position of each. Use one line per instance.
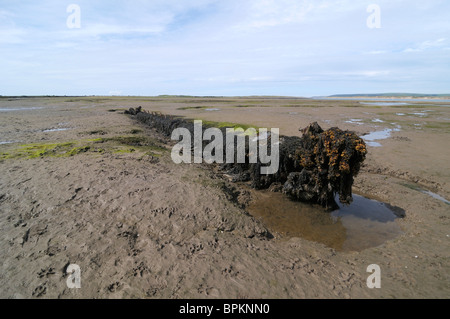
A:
(313, 168)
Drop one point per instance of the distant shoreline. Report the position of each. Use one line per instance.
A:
(396, 96)
(391, 96)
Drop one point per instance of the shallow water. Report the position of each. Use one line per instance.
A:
(436, 196)
(374, 144)
(384, 103)
(364, 224)
(420, 114)
(20, 109)
(56, 130)
(355, 121)
(378, 135)
(398, 100)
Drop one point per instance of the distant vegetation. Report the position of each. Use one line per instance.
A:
(397, 95)
(219, 98)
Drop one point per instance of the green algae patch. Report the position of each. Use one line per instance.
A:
(79, 150)
(131, 144)
(125, 151)
(39, 150)
(113, 145)
(228, 125)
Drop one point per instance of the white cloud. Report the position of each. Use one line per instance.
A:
(96, 30)
(271, 13)
(427, 45)
(294, 47)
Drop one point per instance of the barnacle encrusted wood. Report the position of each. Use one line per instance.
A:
(313, 168)
(325, 163)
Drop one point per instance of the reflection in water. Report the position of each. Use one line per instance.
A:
(384, 103)
(379, 135)
(436, 196)
(363, 224)
(369, 223)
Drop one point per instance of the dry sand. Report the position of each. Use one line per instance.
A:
(140, 226)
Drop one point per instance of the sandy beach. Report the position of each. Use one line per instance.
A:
(82, 183)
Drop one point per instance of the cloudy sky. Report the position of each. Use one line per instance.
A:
(224, 47)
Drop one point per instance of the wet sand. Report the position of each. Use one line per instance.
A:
(140, 226)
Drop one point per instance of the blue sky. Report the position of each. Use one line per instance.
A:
(226, 47)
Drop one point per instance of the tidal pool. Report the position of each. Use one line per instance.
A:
(355, 121)
(372, 137)
(56, 130)
(364, 224)
(436, 196)
(20, 109)
(384, 103)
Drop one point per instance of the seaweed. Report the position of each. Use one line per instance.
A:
(313, 168)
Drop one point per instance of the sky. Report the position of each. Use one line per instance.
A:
(224, 47)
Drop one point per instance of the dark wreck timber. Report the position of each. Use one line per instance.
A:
(312, 168)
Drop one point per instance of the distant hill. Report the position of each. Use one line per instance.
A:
(393, 95)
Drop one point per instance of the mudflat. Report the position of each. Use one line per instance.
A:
(82, 183)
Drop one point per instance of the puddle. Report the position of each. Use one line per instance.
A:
(20, 109)
(379, 135)
(436, 196)
(355, 121)
(429, 193)
(377, 121)
(374, 144)
(56, 130)
(212, 110)
(364, 224)
(420, 114)
(384, 103)
(5, 142)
